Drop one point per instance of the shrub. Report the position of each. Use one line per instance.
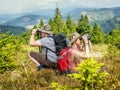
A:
(89, 76)
(8, 47)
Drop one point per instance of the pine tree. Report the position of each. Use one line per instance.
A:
(66, 30)
(41, 24)
(70, 25)
(83, 25)
(114, 37)
(58, 22)
(97, 34)
(35, 26)
(53, 26)
(86, 19)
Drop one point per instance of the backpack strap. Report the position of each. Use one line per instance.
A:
(49, 48)
(47, 51)
(60, 42)
(54, 42)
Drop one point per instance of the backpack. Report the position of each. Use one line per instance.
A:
(60, 42)
(61, 51)
(63, 62)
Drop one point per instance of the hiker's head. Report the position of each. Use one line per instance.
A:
(74, 38)
(45, 30)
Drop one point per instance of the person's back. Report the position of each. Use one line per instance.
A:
(46, 43)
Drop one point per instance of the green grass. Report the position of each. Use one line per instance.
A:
(26, 76)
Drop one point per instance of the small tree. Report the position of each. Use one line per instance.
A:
(35, 26)
(89, 74)
(58, 22)
(41, 24)
(53, 26)
(70, 25)
(97, 34)
(83, 25)
(114, 38)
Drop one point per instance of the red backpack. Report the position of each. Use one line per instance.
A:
(63, 62)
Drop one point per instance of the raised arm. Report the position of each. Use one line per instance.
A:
(34, 42)
(86, 46)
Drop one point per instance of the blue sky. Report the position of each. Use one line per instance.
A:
(16, 6)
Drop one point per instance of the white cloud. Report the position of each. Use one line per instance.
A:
(107, 0)
(29, 5)
(15, 5)
(73, 1)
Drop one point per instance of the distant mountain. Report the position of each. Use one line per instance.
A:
(7, 17)
(77, 12)
(26, 20)
(104, 16)
(97, 14)
(110, 24)
(107, 18)
(46, 12)
(12, 29)
(64, 11)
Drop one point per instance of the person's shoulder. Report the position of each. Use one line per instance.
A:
(43, 39)
(47, 39)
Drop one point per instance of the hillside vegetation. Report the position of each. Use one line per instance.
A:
(25, 75)
(101, 72)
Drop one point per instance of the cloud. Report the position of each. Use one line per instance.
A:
(7, 6)
(107, 0)
(24, 5)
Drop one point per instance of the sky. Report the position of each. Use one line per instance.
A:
(18, 6)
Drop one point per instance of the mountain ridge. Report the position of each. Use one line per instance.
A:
(12, 29)
(26, 20)
(100, 15)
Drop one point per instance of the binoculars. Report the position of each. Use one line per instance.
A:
(38, 32)
(88, 37)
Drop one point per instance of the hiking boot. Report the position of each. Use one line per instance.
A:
(40, 67)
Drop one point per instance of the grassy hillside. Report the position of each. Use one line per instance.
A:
(25, 76)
